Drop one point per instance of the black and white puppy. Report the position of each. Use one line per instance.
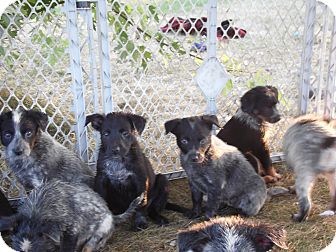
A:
(215, 168)
(247, 129)
(34, 156)
(230, 234)
(123, 171)
(5, 207)
(310, 150)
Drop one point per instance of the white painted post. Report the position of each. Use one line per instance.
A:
(77, 77)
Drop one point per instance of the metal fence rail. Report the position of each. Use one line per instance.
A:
(73, 58)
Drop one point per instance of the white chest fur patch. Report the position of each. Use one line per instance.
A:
(116, 170)
(25, 245)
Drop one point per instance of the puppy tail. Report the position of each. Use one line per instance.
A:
(137, 202)
(176, 208)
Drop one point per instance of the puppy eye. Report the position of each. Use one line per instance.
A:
(125, 133)
(202, 141)
(184, 141)
(28, 133)
(106, 133)
(8, 135)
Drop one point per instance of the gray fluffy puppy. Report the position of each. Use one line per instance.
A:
(59, 216)
(34, 156)
(310, 150)
(216, 169)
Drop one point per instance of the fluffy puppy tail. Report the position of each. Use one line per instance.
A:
(137, 202)
(276, 191)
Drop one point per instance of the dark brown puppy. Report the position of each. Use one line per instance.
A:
(246, 129)
(124, 172)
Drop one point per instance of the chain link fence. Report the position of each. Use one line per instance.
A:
(73, 58)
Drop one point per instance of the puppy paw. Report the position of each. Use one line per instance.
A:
(292, 189)
(298, 217)
(269, 179)
(277, 176)
(327, 213)
(162, 221)
(140, 223)
(192, 214)
(209, 214)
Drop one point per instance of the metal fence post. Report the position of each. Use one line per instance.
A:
(329, 106)
(105, 73)
(77, 77)
(307, 56)
(212, 43)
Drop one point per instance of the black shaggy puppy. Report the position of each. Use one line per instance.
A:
(123, 171)
(246, 129)
(34, 156)
(231, 234)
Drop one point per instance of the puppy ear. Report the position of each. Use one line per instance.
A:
(266, 237)
(274, 90)
(40, 118)
(96, 121)
(137, 122)
(171, 125)
(210, 120)
(248, 101)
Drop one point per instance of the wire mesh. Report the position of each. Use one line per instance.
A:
(70, 59)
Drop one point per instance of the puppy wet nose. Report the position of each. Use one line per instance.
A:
(116, 150)
(195, 157)
(18, 152)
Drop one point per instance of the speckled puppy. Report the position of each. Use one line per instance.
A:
(34, 156)
(310, 149)
(216, 169)
(58, 216)
(230, 234)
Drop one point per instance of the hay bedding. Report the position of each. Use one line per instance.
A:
(312, 235)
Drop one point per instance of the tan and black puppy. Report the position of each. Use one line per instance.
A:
(215, 169)
(310, 150)
(246, 129)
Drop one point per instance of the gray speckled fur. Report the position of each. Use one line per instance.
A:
(303, 146)
(229, 177)
(47, 160)
(58, 207)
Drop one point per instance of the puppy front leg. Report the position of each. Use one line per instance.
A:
(303, 186)
(332, 189)
(212, 204)
(197, 197)
(141, 222)
(270, 173)
(69, 242)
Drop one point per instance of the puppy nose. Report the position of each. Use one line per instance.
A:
(116, 150)
(18, 152)
(195, 157)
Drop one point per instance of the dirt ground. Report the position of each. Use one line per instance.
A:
(312, 235)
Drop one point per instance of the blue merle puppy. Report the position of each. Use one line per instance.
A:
(34, 156)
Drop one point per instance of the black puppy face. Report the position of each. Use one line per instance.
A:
(193, 135)
(261, 102)
(20, 129)
(117, 132)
